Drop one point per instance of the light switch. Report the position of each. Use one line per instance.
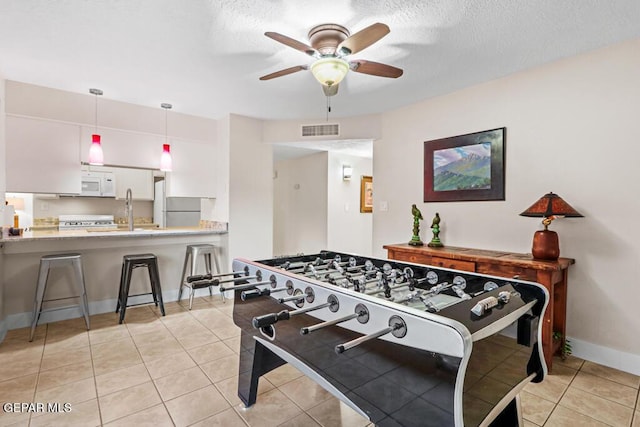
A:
(44, 206)
(384, 206)
(346, 207)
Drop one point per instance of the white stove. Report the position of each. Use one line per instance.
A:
(86, 222)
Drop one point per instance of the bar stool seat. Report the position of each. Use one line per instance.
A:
(190, 267)
(48, 262)
(129, 263)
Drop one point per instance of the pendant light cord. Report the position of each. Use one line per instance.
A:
(96, 115)
(166, 107)
(96, 92)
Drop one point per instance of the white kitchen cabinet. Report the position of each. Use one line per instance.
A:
(140, 181)
(194, 162)
(194, 171)
(42, 156)
(125, 148)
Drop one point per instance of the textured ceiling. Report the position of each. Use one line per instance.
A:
(205, 57)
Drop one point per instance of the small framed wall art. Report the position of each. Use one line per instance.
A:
(465, 168)
(366, 194)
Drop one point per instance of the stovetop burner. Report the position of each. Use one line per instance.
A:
(86, 222)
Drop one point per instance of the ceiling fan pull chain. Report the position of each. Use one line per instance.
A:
(328, 107)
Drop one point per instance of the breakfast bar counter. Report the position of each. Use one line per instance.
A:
(102, 253)
(29, 236)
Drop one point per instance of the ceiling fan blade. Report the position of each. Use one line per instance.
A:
(330, 90)
(284, 72)
(375, 68)
(363, 39)
(292, 43)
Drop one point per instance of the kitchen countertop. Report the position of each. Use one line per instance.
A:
(84, 234)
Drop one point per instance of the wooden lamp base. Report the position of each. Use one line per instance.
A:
(545, 245)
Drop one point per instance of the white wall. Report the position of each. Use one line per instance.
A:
(84, 206)
(361, 127)
(572, 128)
(348, 229)
(315, 209)
(300, 205)
(250, 190)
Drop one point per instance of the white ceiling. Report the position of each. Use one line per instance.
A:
(205, 56)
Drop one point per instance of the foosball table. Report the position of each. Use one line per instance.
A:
(399, 343)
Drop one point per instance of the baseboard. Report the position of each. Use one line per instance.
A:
(23, 320)
(627, 362)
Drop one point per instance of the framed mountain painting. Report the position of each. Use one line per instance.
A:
(465, 168)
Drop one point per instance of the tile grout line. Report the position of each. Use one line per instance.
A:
(150, 377)
(95, 376)
(158, 318)
(604, 397)
(95, 382)
(231, 405)
(567, 389)
(35, 389)
(563, 393)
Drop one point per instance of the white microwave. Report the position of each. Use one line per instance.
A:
(98, 184)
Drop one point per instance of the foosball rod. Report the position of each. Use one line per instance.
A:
(361, 312)
(271, 318)
(245, 286)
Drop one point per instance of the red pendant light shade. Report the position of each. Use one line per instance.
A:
(96, 157)
(165, 159)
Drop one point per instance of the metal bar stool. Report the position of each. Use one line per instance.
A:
(129, 263)
(191, 264)
(52, 261)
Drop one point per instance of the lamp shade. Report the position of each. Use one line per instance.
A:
(546, 245)
(95, 151)
(330, 71)
(166, 163)
(551, 205)
(16, 202)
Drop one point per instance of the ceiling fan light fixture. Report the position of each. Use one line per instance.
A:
(330, 71)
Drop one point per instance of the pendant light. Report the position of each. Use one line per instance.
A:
(96, 156)
(165, 158)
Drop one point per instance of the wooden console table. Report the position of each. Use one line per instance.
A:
(551, 274)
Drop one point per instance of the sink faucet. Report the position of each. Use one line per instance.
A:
(128, 206)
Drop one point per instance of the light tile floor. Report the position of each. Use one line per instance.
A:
(181, 370)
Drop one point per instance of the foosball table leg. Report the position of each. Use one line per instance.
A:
(261, 361)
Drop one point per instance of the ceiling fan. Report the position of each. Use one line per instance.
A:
(330, 45)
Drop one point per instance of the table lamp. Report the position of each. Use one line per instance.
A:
(545, 242)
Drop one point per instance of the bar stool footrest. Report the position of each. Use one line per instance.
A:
(66, 307)
(140, 303)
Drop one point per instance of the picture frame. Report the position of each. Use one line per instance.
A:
(366, 194)
(466, 167)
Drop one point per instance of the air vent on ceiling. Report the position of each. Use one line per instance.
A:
(328, 129)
